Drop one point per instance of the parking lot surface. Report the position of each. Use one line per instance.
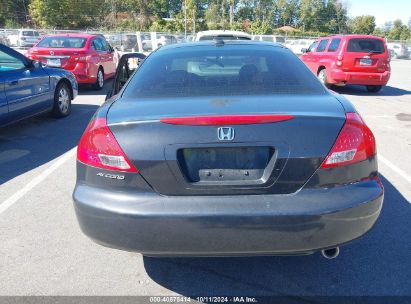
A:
(43, 251)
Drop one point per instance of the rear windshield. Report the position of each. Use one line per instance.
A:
(365, 45)
(30, 33)
(224, 71)
(224, 37)
(62, 42)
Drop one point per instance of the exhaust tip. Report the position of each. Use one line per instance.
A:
(331, 253)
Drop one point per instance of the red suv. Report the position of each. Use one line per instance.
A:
(350, 59)
(89, 57)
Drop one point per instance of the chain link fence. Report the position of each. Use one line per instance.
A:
(149, 41)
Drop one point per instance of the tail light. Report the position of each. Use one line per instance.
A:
(355, 143)
(99, 148)
(339, 60)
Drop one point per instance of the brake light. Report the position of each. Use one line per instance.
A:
(355, 143)
(226, 120)
(99, 148)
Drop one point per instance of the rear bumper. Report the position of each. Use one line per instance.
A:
(152, 224)
(338, 76)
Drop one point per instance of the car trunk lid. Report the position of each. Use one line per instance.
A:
(58, 57)
(259, 158)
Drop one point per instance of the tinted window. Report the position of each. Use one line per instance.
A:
(99, 45)
(365, 45)
(223, 71)
(313, 46)
(9, 63)
(62, 42)
(322, 45)
(29, 33)
(335, 43)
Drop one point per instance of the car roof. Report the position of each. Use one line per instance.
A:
(76, 35)
(352, 36)
(222, 32)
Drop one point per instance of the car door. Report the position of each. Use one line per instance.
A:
(308, 56)
(318, 55)
(4, 108)
(110, 63)
(26, 85)
(106, 58)
(127, 65)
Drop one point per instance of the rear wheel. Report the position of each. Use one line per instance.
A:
(62, 100)
(374, 88)
(100, 80)
(322, 76)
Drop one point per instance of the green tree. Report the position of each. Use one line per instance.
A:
(75, 14)
(362, 24)
(399, 31)
(14, 13)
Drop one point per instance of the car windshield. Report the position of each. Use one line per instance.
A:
(196, 71)
(365, 45)
(62, 42)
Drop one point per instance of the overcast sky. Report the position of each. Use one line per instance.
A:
(383, 10)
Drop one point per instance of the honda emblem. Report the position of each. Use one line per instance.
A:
(225, 133)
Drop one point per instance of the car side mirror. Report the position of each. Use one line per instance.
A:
(304, 50)
(35, 64)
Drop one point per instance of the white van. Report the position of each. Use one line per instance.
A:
(24, 38)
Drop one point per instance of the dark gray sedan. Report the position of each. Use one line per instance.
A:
(225, 148)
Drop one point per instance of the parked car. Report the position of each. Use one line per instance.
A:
(28, 88)
(24, 38)
(3, 37)
(222, 34)
(400, 50)
(350, 59)
(297, 46)
(89, 57)
(162, 39)
(269, 38)
(225, 148)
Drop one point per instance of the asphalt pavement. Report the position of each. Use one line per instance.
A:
(43, 252)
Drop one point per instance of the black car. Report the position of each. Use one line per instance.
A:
(225, 148)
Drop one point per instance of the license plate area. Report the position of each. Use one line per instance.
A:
(54, 62)
(366, 61)
(226, 165)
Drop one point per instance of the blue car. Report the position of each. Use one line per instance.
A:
(28, 88)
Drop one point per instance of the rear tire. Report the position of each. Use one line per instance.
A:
(322, 76)
(100, 80)
(374, 88)
(62, 101)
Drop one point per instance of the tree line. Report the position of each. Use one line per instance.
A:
(315, 17)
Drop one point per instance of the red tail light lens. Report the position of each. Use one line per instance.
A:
(99, 148)
(226, 120)
(355, 143)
